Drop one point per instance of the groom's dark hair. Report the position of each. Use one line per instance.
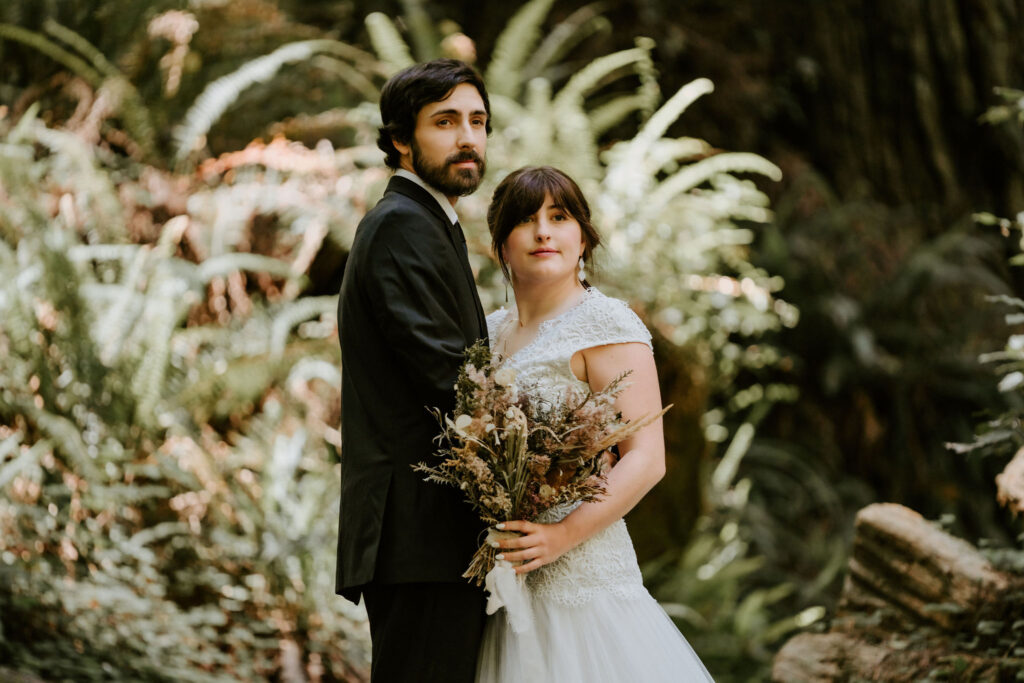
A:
(415, 87)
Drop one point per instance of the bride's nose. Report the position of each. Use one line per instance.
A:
(542, 231)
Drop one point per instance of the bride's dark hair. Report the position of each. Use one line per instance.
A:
(522, 193)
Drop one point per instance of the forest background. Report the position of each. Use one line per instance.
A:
(800, 199)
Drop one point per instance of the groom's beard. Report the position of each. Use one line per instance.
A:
(444, 177)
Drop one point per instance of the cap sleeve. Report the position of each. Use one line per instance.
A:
(604, 320)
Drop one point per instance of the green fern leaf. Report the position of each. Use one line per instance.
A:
(421, 30)
(219, 95)
(387, 42)
(54, 51)
(594, 73)
(538, 143)
(570, 32)
(87, 49)
(658, 124)
(614, 112)
(514, 46)
(225, 264)
(692, 175)
(298, 311)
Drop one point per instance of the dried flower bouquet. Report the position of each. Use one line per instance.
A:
(515, 456)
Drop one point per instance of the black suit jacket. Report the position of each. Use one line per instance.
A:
(407, 311)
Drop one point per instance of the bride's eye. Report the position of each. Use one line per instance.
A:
(524, 220)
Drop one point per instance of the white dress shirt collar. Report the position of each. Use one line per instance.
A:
(446, 205)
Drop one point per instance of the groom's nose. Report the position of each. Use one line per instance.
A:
(469, 137)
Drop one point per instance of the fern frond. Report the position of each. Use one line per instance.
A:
(612, 113)
(52, 50)
(692, 175)
(123, 311)
(95, 195)
(296, 312)
(65, 435)
(353, 76)
(570, 32)
(658, 124)
(225, 264)
(538, 143)
(315, 368)
(223, 92)
(577, 144)
(83, 253)
(421, 29)
(83, 46)
(513, 46)
(19, 464)
(163, 313)
(388, 43)
(590, 76)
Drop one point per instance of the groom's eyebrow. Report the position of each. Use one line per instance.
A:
(456, 112)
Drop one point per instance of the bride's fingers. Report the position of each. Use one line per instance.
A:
(511, 543)
(520, 525)
(529, 566)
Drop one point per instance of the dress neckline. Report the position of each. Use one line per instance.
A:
(543, 325)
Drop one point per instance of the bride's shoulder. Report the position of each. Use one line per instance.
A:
(611, 319)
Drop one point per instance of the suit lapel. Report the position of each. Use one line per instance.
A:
(415, 192)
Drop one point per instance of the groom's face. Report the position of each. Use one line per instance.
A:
(449, 143)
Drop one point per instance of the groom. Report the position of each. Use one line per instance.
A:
(408, 309)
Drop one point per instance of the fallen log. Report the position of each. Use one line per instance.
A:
(901, 559)
(916, 602)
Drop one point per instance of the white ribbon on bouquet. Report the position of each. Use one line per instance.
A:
(507, 589)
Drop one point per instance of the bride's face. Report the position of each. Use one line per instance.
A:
(544, 247)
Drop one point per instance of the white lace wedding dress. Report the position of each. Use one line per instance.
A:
(592, 619)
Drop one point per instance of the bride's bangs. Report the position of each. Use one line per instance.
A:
(534, 185)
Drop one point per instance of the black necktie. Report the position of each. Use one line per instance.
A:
(460, 238)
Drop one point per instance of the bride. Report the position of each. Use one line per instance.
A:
(592, 618)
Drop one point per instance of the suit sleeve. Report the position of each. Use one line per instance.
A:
(410, 285)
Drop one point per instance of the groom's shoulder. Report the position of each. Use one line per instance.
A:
(396, 207)
(400, 225)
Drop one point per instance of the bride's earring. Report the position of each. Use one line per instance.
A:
(581, 275)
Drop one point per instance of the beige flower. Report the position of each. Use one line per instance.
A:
(546, 491)
(461, 423)
(515, 418)
(505, 376)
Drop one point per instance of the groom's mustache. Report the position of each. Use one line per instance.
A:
(467, 155)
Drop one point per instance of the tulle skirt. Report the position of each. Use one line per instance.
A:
(609, 639)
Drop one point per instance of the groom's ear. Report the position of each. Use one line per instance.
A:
(404, 148)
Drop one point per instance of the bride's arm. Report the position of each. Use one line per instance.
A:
(641, 466)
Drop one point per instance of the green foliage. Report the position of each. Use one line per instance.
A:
(167, 481)
(1004, 434)
(222, 93)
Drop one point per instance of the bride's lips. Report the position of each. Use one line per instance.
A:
(543, 252)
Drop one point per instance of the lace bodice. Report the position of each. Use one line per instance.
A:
(606, 562)
(544, 363)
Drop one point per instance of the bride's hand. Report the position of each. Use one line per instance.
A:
(540, 544)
